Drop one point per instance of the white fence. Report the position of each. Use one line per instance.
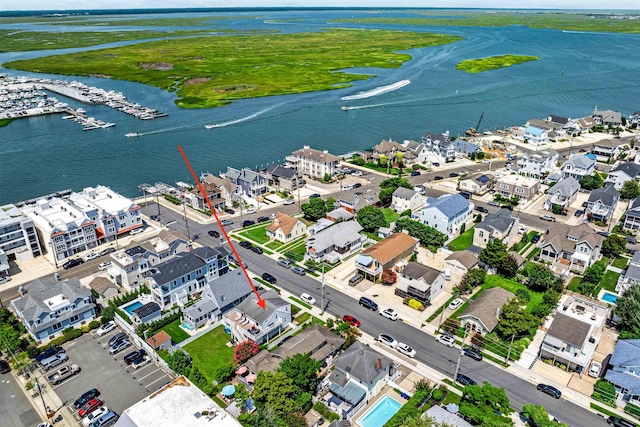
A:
(209, 328)
(134, 338)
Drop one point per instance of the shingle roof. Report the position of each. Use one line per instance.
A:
(565, 187)
(338, 234)
(147, 310)
(360, 361)
(102, 284)
(630, 168)
(487, 307)
(283, 221)
(466, 258)
(229, 287)
(449, 204)
(388, 146)
(389, 248)
(559, 119)
(340, 213)
(634, 208)
(580, 161)
(317, 155)
(418, 271)
(444, 417)
(404, 193)
(607, 195)
(251, 308)
(281, 171)
(626, 354)
(158, 339)
(315, 338)
(569, 330)
(624, 380)
(500, 221)
(183, 263)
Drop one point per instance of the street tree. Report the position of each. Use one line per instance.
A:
(486, 405)
(630, 190)
(388, 186)
(370, 218)
(494, 254)
(614, 245)
(429, 237)
(540, 278)
(514, 320)
(538, 416)
(303, 370)
(314, 209)
(9, 337)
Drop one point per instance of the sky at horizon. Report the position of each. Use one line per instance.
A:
(17, 5)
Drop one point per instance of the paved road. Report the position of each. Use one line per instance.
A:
(15, 409)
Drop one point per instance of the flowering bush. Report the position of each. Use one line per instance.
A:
(245, 350)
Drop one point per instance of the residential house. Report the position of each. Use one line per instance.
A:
(195, 198)
(283, 178)
(579, 166)
(286, 228)
(607, 117)
(577, 247)
(631, 276)
(535, 135)
(420, 282)
(419, 152)
(563, 193)
(314, 163)
(359, 375)
(251, 183)
(465, 148)
(442, 416)
(18, 236)
(393, 252)
(625, 171)
(4, 263)
(145, 313)
(482, 315)
(602, 202)
(545, 125)
(218, 296)
(160, 341)
(131, 265)
(339, 214)
(634, 119)
(575, 331)
(632, 217)
(47, 307)
(388, 150)
(607, 150)
(440, 144)
(537, 164)
(498, 225)
(229, 191)
(180, 278)
(105, 288)
(447, 213)
(404, 199)
(624, 370)
(410, 152)
(249, 321)
(478, 183)
(460, 262)
(354, 202)
(518, 186)
(552, 178)
(585, 123)
(336, 242)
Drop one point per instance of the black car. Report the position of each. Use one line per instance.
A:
(213, 233)
(582, 150)
(619, 422)
(49, 352)
(454, 175)
(603, 233)
(367, 303)
(550, 390)
(438, 178)
(247, 222)
(578, 212)
(93, 393)
(263, 219)
(465, 380)
(155, 217)
(631, 240)
(72, 263)
(246, 244)
(269, 278)
(107, 251)
(314, 195)
(535, 238)
(481, 209)
(257, 250)
(472, 353)
(131, 357)
(230, 211)
(357, 185)
(415, 173)
(585, 204)
(4, 367)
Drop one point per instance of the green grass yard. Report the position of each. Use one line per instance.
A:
(390, 215)
(463, 241)
(257, 234)
(493, 281)
(210, 352)
(175, 332)
(620, 262)
(609, 281)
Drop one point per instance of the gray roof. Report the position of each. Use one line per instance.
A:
(317, 155)
(607, 195)
(630, 168)
(231, 286)
(465, 146)
(184, 263)
(101, 285)
(467, 258)
(360, 361)
(487, 307)
(634, 208)
(418, 271)
(553, 177)
(251, 308)
(339, 234)
(146, 310)
(315, 340)
(624, 380)
(580, 161)
(351, 393)
(244, 174)
(404, 193)
(500, 220)
(565, 187)
(633, 271)
(609, 115)
(558, 119)
(636, 258)
(204, 306)
(281, 171)
(441, 415)
(626, 354)
(449, 204)
(340, 213)
(569, 330)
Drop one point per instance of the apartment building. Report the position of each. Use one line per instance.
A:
(314, 163)
(18, 237)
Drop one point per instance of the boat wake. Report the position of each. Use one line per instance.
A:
(243, 119)
(377, 91)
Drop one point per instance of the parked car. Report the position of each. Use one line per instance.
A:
(347, 187)
(466, 194)
(619, 422)
(472, 353)
(4, 279)
(107, 251)
(299, 270)
(595, 369)
(356, 173)
(481, 209)
(269, 278)
(389, 313)
(603, 233)
(492, 203)
(129, 358)
(465, 380)
(453, 305)
(93, 416)
(64, 373)
(388, 340)
(229, 211)
(4, 367)
(104, 265)
(87, 396)
(535, 239)
(246, 244)
(89, 407)
(257, 250)
(351, 320)
(250, 211)
(48, 353)
(523, 229)
(53, 361)
(314, 195)
(308, 299)
(286, 263)
(356, 279)
(106, 420)
(550, 390)
(436, 164)
(438, 178)
(140, 361)
(578, 212)
(119, 346)
(454, 175)
(213, 233)
(226, 222)
(106, 328)
(548, 218)
(415, 173)
(263, 219)
(288, 202)
(247, 223)
(117, 338)
(446, 340)
(136, 231)
(631, 240)
(155, 217)
(406, 350)
(367, 303)
(419, 189)
(91, 256)
(72, 263)
(357, 185)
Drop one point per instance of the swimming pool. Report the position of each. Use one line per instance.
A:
(129, 308)
(380, 413)
(609, 297)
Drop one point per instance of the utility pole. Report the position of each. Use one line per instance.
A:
(510, 345)
(455, 375)
(299, 208)
(186, 221)
(322, 289)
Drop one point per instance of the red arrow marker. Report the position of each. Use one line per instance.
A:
(261, 302)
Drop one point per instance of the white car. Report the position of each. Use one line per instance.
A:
(419, 190)
(308, 299)
(455, 304)
(389, 314)
(104, 265)
(250, 211)
(288, 202)
(106, 328)
(595, 369)
(136, 231)
(92, 255)
(347, 187)
(406, 350)
(388, 340)
(446, 340)
(86, 421)
(141, 361)
(356, 173)
(523, 229)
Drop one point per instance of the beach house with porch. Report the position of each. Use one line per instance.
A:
(420, 282)
(336, 242)
(447, 213)
(579, 166)
(575, 248)
(602, 202)
(197, 200)
(538, 163)
(393, 252)
(285, 228)
(482, 315)
(251, 183)
(632, 218)
(622, 173)
(562, 194)
(631, 276)
(624, 370)
(439, 144)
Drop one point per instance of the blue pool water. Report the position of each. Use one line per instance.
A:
(609, 297)
(380, 413)
(129, 309)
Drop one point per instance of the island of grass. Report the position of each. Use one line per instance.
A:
(493, 62)
(5, 122)
(214, 71)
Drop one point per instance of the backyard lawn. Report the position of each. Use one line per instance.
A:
(173, 329)
(609, 281)
(210, 352)
(512, 286)
(257, 234)
(390, 215)
(620, 262)
(463, 241)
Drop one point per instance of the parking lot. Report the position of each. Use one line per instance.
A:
(120, 385)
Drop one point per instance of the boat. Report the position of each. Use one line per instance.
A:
(377, 91)
(345, 108)
(132, 134)
(107, 125)
(210, 126)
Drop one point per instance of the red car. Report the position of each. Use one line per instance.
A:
(89, 407)
(351, 320)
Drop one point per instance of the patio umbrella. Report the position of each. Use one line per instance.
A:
(251, 378)
(228, 390)
(241, 370)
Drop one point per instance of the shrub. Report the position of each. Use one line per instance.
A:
(303, 401)
(416, 305)
(410, 409)
(389, 277)
(224, 373)
(406, 213)
(94, 324)
(437, 395)
(322, 409)
(632, 410)
(523, 295)
(605, 392)
(245, 350)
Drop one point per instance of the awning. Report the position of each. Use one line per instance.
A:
(364, 260)
(553, 341)
(251, 378)
(228, 390)
(350, 393)
(241, 370)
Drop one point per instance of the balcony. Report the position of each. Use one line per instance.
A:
(367, 265)
(247, 328)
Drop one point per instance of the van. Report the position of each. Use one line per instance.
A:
(466, 194)
(106, 420)
(367, 303)
(447, 275)
(356, 279)
(53, 361)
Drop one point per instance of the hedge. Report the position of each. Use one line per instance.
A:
(632, 410)
(94, 324)
(322, 409)
(67, 335)
(410, 409)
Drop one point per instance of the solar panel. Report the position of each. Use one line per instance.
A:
(483, 179)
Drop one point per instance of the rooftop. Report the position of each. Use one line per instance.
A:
(389, 248)
(317, 155)
(449, 204)
(488, 306)
(56, 215)
(103, 200)
(519, 180)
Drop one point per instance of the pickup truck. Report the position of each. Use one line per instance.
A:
(64, 373)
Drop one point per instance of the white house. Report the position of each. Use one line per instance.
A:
(447, 213)
(563, 193)
(622, 173)
(537, 164)
(420, 282)
(404, 198)
(634, 119)
(607, 117)
(535, 135)
(578, 166)
(314, 163)
(18, 235)
(286, 228)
